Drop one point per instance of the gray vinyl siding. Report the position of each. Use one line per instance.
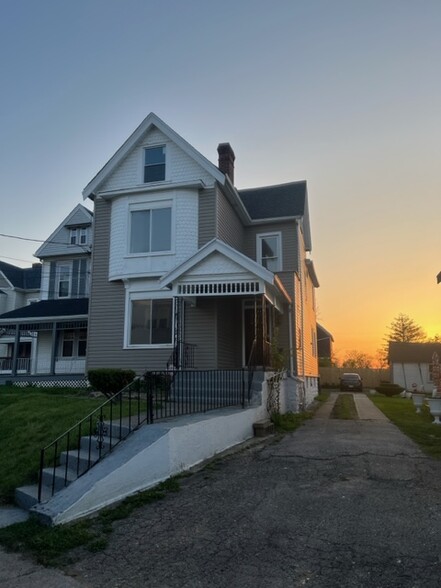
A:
(289, 242)
(229, 227)
(229, 331)
(200, 330)
(207, 216)
(107, 309)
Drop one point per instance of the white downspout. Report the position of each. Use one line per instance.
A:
(291, 343)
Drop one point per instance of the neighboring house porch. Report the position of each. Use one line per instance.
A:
(47, 338)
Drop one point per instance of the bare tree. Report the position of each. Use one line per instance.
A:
(357, 360)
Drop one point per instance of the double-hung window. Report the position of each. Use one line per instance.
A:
(63, 281)
(150, 230)
(78, 236)
(74, 343)
(151, 322)
(269, 251)
(154, 164)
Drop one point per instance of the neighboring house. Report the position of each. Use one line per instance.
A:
(18, 287)
(188, 271)
(324, 345)
(53, 330)
(411, 364)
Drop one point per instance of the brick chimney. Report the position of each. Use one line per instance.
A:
(226, 160)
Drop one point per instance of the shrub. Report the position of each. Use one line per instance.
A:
(388, 389)
(109, 381)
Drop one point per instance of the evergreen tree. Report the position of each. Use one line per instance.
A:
(402, 329)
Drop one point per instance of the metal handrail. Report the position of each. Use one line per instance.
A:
(94, 425)
(156, 395)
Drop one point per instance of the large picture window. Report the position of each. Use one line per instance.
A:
(151, 322)
(269, 251)
(154, 164)
(150, 230)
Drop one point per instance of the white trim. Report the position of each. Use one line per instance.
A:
(88, 213)
(150, 121)
(224, 249)
(153, 187)
(143, 149)
(144, 295)
(279, 257)
(152, 205)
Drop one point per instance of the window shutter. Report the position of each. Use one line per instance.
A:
(75, 278)
(52, 272)
(82, 278)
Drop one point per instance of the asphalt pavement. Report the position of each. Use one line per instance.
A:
(334, 504)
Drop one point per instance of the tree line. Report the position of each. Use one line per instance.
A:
(402, 329)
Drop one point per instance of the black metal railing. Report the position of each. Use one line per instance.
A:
(182, 357)
(74, 452)
(157, 395)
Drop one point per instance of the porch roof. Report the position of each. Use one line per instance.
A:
(73, 308)
(220, 270)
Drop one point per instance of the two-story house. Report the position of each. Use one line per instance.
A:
(48, 337)
(188, 271)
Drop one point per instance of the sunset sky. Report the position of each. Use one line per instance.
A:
(344, 93)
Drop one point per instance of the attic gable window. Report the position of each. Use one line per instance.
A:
(78, 236)
(154, 164)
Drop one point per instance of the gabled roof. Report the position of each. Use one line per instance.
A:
(28, 278)
(215, 245)
(152, 120)
(413, 352)
(79, 216)
(283, 200)
(71, 307)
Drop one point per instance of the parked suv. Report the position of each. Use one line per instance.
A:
(351, 382)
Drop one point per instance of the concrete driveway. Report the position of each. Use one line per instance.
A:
(335, 504)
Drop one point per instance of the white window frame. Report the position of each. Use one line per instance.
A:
(58, 280)
(142, 163)
(259, 238)
(75, 344)
(157, 204)
(152, 296)
(78, 236)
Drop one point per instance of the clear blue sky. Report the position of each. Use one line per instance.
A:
(344, 93)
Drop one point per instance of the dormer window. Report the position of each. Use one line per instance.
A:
(78, 236)
(154, 164)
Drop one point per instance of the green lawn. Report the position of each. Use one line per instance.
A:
(29, 420)
(419, 427)
(344, 408)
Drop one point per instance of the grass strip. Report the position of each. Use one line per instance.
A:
(288, 422)
(48, 545)
(419, 427)
(344, 408)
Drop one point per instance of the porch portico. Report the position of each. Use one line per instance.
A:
(226, 309)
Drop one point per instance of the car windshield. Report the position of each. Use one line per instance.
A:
(351, 376)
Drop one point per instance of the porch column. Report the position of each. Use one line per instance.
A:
(54, 347)
(265, 359)
(15, 350)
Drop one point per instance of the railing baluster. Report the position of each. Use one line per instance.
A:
(67, 459)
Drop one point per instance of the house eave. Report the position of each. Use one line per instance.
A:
(157, 187)
(44, 319)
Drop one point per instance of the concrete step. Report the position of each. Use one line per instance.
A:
(58, 478)
(27, 496)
